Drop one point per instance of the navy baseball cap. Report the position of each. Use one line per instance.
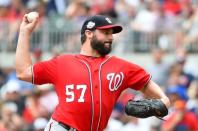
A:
(100, 22)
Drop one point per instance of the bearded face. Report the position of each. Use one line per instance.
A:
(102, 47)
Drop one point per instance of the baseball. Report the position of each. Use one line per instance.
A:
(32, 16)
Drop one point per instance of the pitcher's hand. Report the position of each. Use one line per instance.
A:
(26, 26)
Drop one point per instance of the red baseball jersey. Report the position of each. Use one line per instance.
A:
(88, 87)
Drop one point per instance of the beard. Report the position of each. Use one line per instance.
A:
(100, 46)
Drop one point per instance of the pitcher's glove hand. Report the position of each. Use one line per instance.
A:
(146, 108)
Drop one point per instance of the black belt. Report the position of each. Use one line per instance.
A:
(64, 126)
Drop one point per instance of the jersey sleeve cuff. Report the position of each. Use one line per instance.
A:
(146, 82)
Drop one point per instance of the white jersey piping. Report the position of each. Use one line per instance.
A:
(91, 84)
(100, 68)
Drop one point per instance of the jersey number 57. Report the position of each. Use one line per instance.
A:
(70, 95)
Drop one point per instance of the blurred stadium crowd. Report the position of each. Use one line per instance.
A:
(153, 26)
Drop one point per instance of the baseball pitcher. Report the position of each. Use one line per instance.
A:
(88, 84)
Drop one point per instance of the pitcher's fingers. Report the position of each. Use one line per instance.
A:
(25, 18)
